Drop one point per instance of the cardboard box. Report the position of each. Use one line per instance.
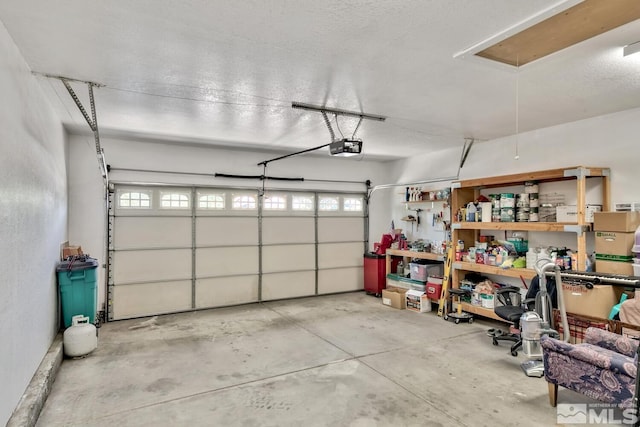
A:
(596, 302)
(623, 222)
(614, 246)
(614, 267)
(418, 301)
(68, 251)
(394, 297)
(569, 213)
(630, 333)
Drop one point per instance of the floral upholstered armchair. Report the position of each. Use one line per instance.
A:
(602, 368)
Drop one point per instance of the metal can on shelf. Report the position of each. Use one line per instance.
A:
(507, 215)
(531, 187)
(495, 215)
(507, 200)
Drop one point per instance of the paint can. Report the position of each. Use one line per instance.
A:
(522, 215)
(534, 201)
(533, 215)
(507, 214)
(507, 200)
(495, 215)
(522, 201)
(495, 201)
(531, 187)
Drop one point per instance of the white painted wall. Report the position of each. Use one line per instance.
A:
(33, 223)
(605, 141)
(86, 201)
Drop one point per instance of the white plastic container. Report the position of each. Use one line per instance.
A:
(80, 338)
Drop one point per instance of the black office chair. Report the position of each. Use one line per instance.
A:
(511, 309)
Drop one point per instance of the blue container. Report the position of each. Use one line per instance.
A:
(78, 283)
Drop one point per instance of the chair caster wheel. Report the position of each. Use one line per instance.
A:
(470, 320)
(495, 341)
(445, 317)
(514, 353)
(457, 321)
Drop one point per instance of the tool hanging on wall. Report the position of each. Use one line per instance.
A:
(417, 211)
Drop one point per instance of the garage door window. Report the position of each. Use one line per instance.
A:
(245, 202)
(328, 204)
(211, 201)
(275, 203)
(351, 204)
(174, 201)
(302, 203)
(135, 200)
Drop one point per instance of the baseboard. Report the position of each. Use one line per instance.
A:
(30, 405)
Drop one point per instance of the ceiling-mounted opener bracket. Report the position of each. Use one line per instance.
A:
(468, 143)
(91, 121)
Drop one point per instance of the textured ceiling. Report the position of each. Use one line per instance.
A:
(226, 72)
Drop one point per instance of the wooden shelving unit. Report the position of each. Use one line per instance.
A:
(466, 191)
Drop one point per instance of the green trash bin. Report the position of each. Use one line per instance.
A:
(78, 284)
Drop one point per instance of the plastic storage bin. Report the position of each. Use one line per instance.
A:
(78, 283)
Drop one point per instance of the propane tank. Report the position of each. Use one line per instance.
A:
(80, 338)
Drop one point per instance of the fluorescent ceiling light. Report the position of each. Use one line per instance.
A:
(630, 49)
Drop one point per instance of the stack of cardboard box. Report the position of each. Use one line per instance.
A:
(615, 237)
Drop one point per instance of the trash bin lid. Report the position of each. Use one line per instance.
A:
(77, 263)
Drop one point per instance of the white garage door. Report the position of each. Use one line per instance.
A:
(179, 249)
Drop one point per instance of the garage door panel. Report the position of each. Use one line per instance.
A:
(288, 285)
(226, 231)
(212, 262)
(288, 258)
(152, 232)
(151, 298)
(340, 229)
(340, 280)
(222, 291)
(288, 230)
(331, 255)
(150, 265)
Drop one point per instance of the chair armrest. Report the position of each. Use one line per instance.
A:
(591, 354)
(611, 341)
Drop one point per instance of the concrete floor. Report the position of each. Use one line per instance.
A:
(339, 360)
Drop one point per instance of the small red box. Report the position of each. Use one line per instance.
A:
(433, 290)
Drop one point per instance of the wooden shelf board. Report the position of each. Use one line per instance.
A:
(540, 176)
(490, 269)
(416, 202)
(524, 226)
(481, 311)
(412, 254)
